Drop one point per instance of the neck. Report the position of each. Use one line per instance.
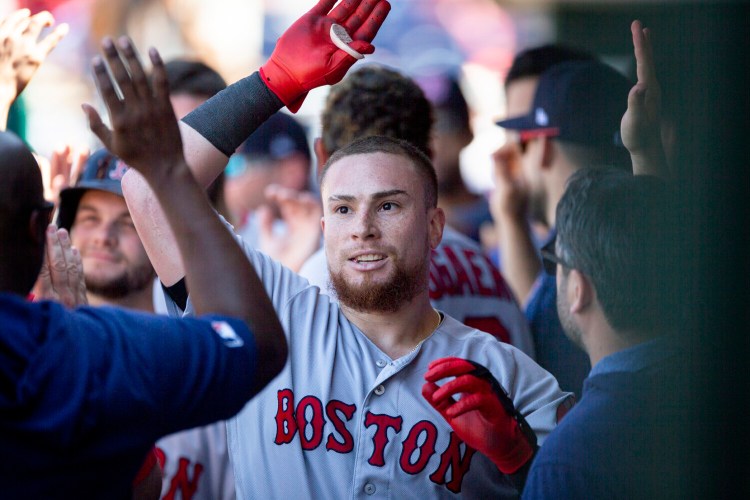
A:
(397, 333)
(141, 300)
(606, 341)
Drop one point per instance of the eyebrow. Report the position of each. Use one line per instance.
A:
(375, 196)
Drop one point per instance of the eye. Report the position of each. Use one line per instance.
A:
(387, 206)
(343, 210)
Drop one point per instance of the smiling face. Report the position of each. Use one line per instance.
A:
(115, 263)
(378, 230)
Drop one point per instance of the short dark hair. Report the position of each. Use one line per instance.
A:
(618, 230)
(601, 155)
(389, 145)
(537, 60)
(375, 100)
(193, 77)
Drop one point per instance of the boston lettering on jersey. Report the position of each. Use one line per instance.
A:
(292, 422)
(182, 481)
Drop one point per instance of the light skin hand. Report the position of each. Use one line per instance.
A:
(22, 51)
(61, 277)
(640, 127)
(61, 170)
(510, 196)
(301, 211)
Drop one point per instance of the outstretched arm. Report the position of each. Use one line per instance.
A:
(146, 136)
(305, 57)
(22, 52)
(641, 124)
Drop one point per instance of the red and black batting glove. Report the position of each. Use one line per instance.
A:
(306, 56)
(484, 417)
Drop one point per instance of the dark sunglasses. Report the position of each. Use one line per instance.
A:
(550, 260)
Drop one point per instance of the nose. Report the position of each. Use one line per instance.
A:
(106, 235)
(365, 226)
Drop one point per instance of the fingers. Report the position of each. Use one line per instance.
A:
(372, 24)
(464, 384)
(50, 41)
(428, 391)
(37, 22)
(118, 70)
(137, 77)
(159, 76)
(14, 21)
(322, 8)
(97, 126)
(105, 85)
(447, 367)
(356, 19)
(473, 402)
(644, 57)
(343, 11)
(73, 268)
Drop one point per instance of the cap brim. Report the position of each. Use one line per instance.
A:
(525, 122)
(71, 196)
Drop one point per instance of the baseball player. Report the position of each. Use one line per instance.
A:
(346, 418)
(463, 282)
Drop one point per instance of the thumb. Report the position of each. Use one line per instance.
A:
(362, 46)
(97, 126)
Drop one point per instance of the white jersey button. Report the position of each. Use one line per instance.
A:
(379, 390)
(370, 489)
(380, 363)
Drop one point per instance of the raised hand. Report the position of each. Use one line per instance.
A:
(640, 127)
(301, 212)
(484, 417)
(144, 133)
(510, 196)
(61, 277)
(61, 170)
(306, 57)
(22, 52)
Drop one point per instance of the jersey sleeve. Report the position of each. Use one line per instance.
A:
(155, 375)
(280, 283)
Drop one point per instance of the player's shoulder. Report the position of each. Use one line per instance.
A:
(471, 338)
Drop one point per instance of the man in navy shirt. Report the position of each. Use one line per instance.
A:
(614, 260)
(84, 394)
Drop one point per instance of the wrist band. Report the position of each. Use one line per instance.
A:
(229, 117)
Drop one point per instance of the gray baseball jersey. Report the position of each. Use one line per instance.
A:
(463, 283)
(343, 420)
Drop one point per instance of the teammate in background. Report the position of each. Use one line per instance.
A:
(515, 212)
(346, 416)
(122, 375)
(614, 262)
(451, 133)
(463, 282)
(116, 267)
(277, 153)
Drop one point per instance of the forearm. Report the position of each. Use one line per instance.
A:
(214, 130)
(520, 263)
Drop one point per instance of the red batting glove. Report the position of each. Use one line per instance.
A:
(484, 417)
(306, 58)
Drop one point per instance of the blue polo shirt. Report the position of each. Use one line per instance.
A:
(84, 394)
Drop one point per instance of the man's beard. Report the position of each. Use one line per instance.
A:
(569, 327)
(133, 280)
(387, 297)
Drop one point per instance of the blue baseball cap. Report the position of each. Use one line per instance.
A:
(579, 101)
(103, 172)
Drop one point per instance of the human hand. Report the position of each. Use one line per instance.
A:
(301, 212)
(510, 196)
(640, 127)
(305, 56)
(22, 51)
(61, 277)
(484, 418)
(61, 170)
(144, 133)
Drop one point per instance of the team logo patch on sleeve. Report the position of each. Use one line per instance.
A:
(227, 334)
